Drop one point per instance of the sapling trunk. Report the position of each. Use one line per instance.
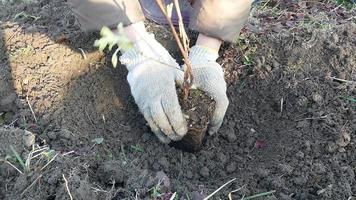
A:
(197, 106)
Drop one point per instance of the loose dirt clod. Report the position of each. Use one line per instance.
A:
(198, 109)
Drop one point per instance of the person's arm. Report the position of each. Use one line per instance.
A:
(94, 14)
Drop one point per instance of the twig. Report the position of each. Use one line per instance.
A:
(212, 194)
(54, 157)
(70, 152)
(343, 80)
(33, 113)
(173, 196)
(66, 184)
(321, 117)
(32, 184)
(7, 162)
(282, 101)
(188, 76)
(83, 53)
(259, 195)
(230, 194)
(182, 32)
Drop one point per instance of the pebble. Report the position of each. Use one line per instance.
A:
(196, 196)
(111, 171)
(285, 168)
(307, 145)
(64, 133)
(277, 182)
(332, 147)
(6, 104)
(317, 98)
(230, 135)
(189, 174)
(299, 154)
(146, 137)
(284, 196)
(231, 167)
(163, 162)
(204, 172)
(250, 142)
(222, 158)
(303, 124)
(301, 180)
(262, 172)
(28, 139)
(319, 168)
(161, 176)
(344, 140)
(52, 135)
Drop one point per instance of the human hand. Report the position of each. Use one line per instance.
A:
(209, 77)
(152, 75)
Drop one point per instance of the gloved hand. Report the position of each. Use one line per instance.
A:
(209, 77)
(152, 75)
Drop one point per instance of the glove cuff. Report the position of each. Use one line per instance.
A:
(145, 48)
(202, 54)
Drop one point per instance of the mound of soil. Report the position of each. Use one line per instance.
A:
(290, 126)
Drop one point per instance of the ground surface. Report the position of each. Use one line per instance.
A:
(290, 126)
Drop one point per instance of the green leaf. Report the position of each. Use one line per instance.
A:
(105, 31)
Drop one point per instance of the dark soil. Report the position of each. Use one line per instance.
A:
(290, 126)
(198, 109)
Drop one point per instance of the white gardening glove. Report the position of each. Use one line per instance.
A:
(152, 75)
(209, 77)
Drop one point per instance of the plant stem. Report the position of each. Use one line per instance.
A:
(188, 76)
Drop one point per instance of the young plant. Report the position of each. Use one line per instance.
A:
(110, 39)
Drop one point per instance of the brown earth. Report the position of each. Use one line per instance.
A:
(290, 126)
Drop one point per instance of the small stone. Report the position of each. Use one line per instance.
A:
(319, 168)
(342, 150)
(110, 172)
(332, 147)
(163, 178)
(317, 98)
(163, 162)
(284, 196)
(196, 196)
(52, 135)
(64, 133)
(301, 180)
(335, 38)
(250, 142)
(189, 174)
(146, 137)
(307, 145)
(263, 173)
(303, 124)
(28, 139)
(344, 140)
(204, 172)
(299, 154)
(253, 130)
(7, 103)
(222, 158)
(285, 168)
(231, 167)
(231, 137)
(277, 182)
